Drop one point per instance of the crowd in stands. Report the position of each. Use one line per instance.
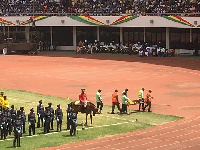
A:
(98, 7)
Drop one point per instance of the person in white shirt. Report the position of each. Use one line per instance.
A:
(5, 50)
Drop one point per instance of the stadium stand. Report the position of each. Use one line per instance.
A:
(99, 7)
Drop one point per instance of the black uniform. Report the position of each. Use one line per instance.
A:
(3, 126)
(40, 113)
(12, 115)
(23, 117)
(31, 122)
(73, 123)
(69, 111)
(17, 131)
(59, 117)
(9, 124)
(52, 114)
(47, 120)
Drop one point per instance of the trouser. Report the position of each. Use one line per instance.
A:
(9, 128)
(99, 105)
(38, 123)
(52, 123)
(68, 123)
(148, 105)
(16, 138)
(113, 106)
(124, 108)
(59, 123)
(141, 104)
(32, 127)
(46, 126)
(3, 132)
(24, 127)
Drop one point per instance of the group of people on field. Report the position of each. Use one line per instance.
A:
(144, 101)
(13, 120)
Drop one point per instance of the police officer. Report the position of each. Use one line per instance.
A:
(59, 117)
(69, 111)
(23, 117)
(3, 126)
(73, 122)
(31, 121)
(12, 114)
(40, 112)
(17, 130)
(52, 115)
(9, 123)
(47, 120)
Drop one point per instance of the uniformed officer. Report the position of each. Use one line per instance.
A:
(40, 112)
(69, 111)
(59, 117)
(31, 121)
(3, 126)
(47, 120)
(9, 123)
(52, 115)
(73, 123)
(17, 130)
(12, 114)
(23, 117)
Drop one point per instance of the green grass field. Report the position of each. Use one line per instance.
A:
(103, 124)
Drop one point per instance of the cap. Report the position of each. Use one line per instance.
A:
(116, 90)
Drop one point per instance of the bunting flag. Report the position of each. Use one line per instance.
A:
(3, 21)
(123, 19)
(178, 19)
(34, 18)
(87, 19)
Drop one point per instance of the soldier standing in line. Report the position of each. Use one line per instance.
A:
(17, 123)
(13, 117)
(47, 120)
(31, 121)
(52, 115)
(59, 117)
(9, 123)
(23, 118)
(3, 121)
(40, 111)
(69, 111)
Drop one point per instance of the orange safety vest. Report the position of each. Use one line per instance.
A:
(114, 97)
(148, 97)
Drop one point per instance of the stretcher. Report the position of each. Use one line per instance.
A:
(133, 102)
